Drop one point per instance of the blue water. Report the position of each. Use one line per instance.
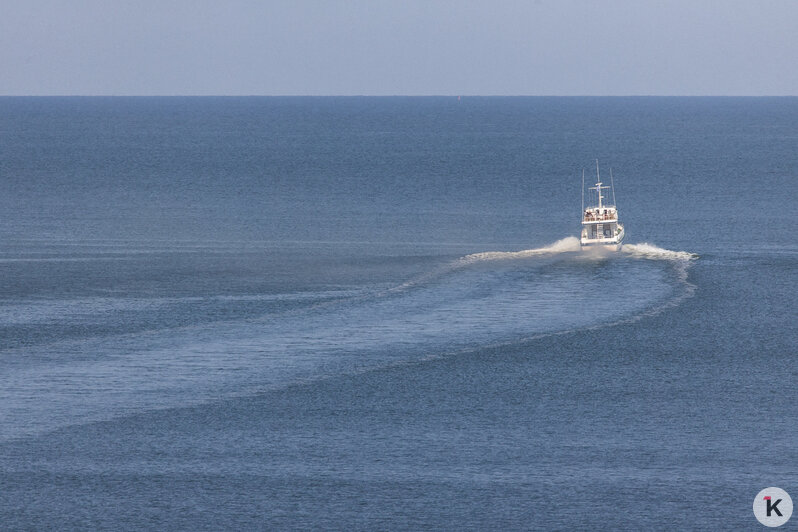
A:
(372, 313)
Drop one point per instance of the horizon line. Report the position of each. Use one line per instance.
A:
(398, 95)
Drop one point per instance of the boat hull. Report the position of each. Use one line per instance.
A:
(609, 244)
(602, 246)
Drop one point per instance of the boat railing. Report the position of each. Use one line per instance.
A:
(606, 233)
(599, 217)
(600, 236)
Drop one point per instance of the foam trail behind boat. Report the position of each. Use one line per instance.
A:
(565, 245)
(650, 251)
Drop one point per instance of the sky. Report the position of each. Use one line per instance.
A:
(399, 47)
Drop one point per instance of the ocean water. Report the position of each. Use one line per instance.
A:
(373, 313)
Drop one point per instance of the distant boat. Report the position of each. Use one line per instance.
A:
(600, 225)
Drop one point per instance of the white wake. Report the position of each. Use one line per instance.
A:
(570, 244)
(565, 245)
(650, 251)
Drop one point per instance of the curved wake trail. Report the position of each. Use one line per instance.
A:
(477, 301)
(680, 260)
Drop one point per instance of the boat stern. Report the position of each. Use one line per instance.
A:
(610, 238)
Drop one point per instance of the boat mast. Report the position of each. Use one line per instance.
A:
(612, 183)
(583, 192)
(598, 184)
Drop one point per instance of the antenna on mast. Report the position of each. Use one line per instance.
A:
(613, 188)
(598, 185)
(583, 191)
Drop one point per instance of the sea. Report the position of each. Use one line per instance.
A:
(373, 313)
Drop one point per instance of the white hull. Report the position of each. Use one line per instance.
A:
(603, 246)
(610, 244)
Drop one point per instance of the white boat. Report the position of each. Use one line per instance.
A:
(600, 226)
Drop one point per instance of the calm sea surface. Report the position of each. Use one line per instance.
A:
(371, 313)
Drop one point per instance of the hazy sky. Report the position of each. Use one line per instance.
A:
(375, 47)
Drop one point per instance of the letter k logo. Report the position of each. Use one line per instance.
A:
(772, 507)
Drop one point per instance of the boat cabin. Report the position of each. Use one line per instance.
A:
(600, 221)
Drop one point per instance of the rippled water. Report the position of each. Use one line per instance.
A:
(368, 313)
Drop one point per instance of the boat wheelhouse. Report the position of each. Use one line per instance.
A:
(600, 225)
